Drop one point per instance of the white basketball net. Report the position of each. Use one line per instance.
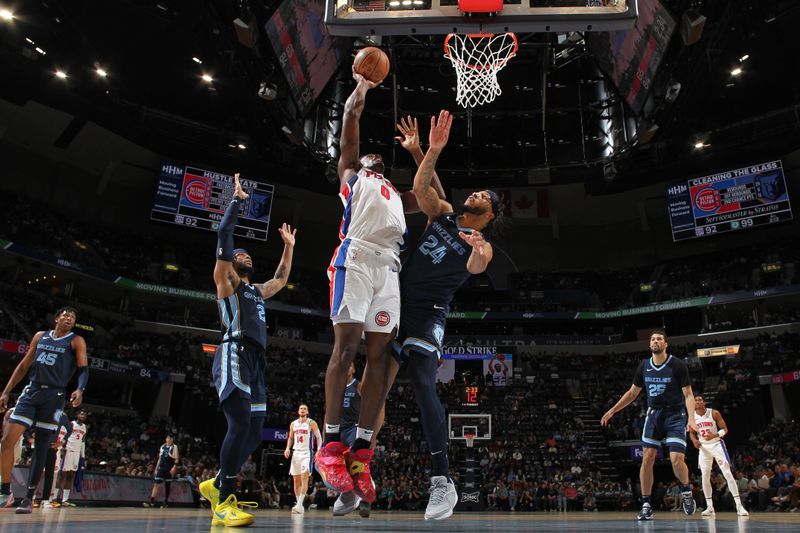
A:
(470, 438)
(477, 59)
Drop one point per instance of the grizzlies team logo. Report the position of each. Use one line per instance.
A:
(382, 318)
(438, 334)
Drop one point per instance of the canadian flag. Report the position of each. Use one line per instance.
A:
(529, 203)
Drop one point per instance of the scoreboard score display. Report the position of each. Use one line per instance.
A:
(743, 198)
(197, 197)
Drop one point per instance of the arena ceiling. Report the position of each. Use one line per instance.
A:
(155, 52)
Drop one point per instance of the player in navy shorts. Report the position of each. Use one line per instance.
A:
(239, 363)
(51, 360)
(450, 250)
(669, 400)
(348, 502)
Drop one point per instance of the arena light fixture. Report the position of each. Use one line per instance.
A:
(61, 74)
(29, 41)
(100, 72)
(41, 51)
(241, 146)
(736, 71)
(5, 14)
(207, 78)
(197, 60)
(744, 58)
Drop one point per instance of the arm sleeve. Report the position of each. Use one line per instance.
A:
(225, 231)
(638, 379)
(83, 377)
(682, 374)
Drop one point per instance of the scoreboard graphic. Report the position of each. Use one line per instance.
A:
(197, 197)
(737, 199)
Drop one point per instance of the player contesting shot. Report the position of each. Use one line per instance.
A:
(364, 299)
(240, 360)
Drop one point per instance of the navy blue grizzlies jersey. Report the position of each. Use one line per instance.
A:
(351, 405)
(663, 384)
(54, 361)
(243, 315)
(165, 454)
(437, 266)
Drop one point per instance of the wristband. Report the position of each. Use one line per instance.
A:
(722, 433)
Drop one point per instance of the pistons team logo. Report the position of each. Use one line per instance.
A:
(707, 200)
(196, 191)
(382, 318)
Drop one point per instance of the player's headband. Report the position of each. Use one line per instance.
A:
(495, 198)
(238, 251)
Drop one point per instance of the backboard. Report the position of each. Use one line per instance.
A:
(359, 18)
(479, 425)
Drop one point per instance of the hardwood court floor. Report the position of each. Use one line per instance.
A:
(131, 520)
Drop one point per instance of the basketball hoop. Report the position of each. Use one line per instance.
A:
(477, 58)
(470, 438)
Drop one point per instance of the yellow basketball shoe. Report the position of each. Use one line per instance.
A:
(230, 514)
(210, 492)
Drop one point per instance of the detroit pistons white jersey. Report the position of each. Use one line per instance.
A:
(706, 425)
(373, 212)
(75, 442)
(302, 435)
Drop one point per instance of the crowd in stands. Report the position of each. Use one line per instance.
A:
(121, 253)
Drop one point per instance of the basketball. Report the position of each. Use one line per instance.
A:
(501, 357)
(372, 63)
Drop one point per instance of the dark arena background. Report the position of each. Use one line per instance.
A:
(647, 160)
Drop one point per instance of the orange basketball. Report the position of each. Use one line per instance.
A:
(372, 63)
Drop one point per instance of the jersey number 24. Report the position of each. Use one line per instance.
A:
(429, 247)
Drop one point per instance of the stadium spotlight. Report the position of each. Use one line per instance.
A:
(207, 78)
(100, 72)
(5, 14)
(61, 74)
(744, 58)
(736, 71)
(241, 146)
(197, 60)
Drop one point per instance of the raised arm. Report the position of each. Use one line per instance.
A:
(225, 277)
(481, 255)
(269, 288)
(350, 136)
(20, 371)
(409, 139)
(428, 199)
(629, 396)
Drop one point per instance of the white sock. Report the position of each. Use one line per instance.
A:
(365, 434)
(66, 495)
(300, 500)
(709, 504)
(738, 501)
(331, 428)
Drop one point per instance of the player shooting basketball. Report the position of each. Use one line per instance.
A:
(364, 298)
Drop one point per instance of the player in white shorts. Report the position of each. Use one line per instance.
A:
(364, 298)
(75, 451)
(303, 434)
(711, 427)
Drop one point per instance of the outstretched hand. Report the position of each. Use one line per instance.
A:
(361, 80)
(440, 130)
(606, 418)
(474, 239)
(287, 234)
(409, 130)
(237, 190)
